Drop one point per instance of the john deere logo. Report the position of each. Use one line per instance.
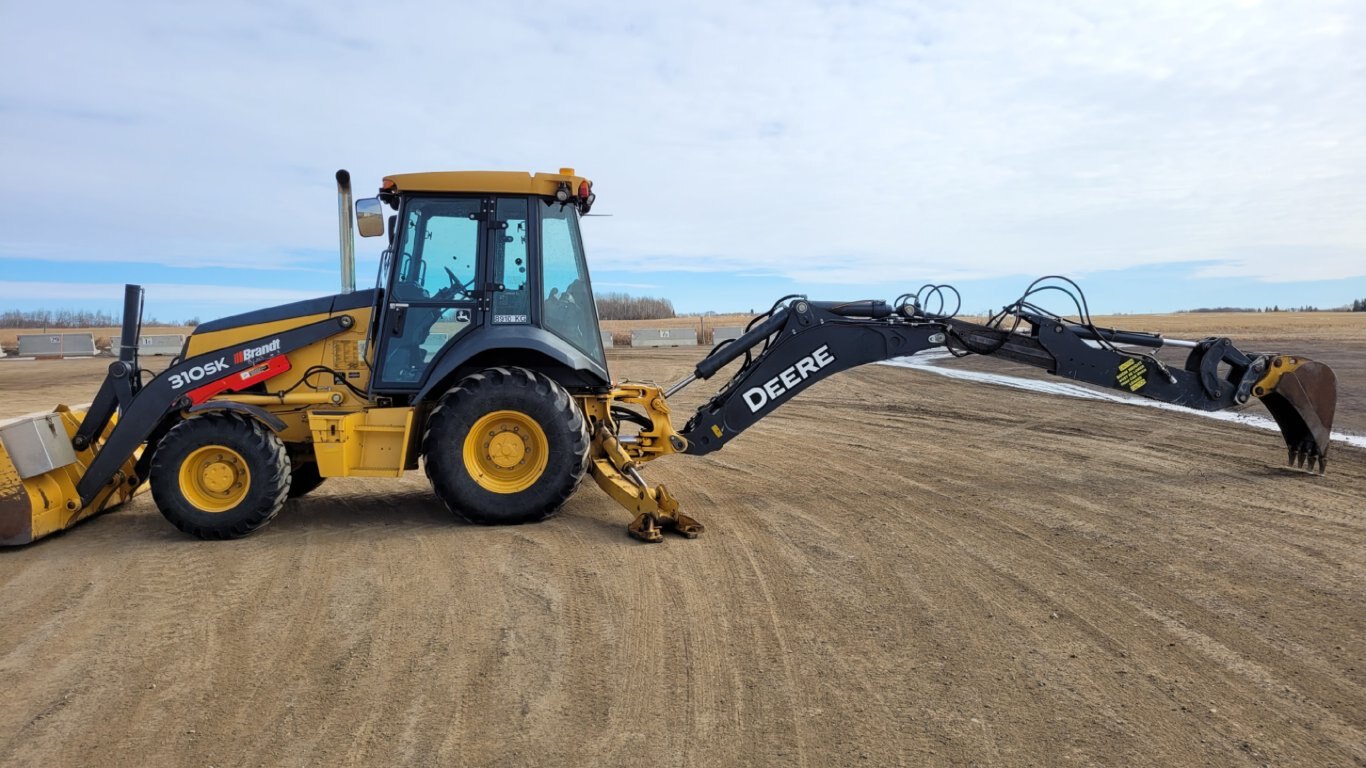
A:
(778, 386)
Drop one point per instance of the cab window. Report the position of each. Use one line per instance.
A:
(508, 262)
(440, 250)
(567, 299)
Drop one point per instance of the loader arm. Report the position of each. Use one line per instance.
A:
(800, 342)
(60, 468)
(144, 411)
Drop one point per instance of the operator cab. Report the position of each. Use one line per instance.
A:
(482, 267)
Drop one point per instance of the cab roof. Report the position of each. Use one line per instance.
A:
(504, 182)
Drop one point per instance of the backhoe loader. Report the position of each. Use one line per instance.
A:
(478, 358)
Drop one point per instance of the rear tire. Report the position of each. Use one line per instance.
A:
(505, 446)
(220, 476)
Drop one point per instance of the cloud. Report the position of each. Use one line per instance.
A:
(822, 142)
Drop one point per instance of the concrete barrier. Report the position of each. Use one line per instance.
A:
(154, 345)
(607, 340)
(78, 345)
(664, 337)
(40, 345)
(719, 335)
(161, 344)
(57, 345)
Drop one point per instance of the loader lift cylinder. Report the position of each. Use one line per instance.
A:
(124, 379)
(132, 324)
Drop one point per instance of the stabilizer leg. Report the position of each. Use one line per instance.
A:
(655, 509)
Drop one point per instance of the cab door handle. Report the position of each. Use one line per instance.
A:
(400, 311)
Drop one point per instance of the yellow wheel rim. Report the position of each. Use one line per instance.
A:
(506, 451)
(215, 478)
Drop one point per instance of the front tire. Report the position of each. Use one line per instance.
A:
(220, 476)
(505, 446)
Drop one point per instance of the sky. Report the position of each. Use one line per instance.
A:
(1167, 155)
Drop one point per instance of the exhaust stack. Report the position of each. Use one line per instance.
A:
(345, 227)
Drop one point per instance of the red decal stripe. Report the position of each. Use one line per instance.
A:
(240, 380)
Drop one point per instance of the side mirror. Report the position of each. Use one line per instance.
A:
(369, 217)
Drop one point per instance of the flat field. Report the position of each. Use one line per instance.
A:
(899, 569)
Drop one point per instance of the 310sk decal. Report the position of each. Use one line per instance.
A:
(198, 373)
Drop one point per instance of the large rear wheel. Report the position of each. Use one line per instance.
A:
(505, 446)
(220, 476)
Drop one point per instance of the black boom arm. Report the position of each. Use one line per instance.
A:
(803, 342)
(1216, 375)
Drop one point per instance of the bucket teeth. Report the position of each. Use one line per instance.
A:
(1308, 457)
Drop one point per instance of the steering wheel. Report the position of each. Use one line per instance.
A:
(456, 290)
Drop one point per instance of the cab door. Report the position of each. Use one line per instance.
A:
(509, 256)
(435, 286)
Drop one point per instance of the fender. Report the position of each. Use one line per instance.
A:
(256, 412)
(579, 370)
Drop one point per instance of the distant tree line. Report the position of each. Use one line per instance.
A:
(1359, 305)
(64, 318)
(620, 306)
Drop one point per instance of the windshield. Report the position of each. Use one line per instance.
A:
(566, 294)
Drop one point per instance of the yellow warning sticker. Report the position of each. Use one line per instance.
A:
(1132, 374)
(716, 430)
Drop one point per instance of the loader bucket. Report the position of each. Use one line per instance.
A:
(39, 470)
(1302, 396)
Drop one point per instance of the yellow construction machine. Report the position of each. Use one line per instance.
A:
(479, 358)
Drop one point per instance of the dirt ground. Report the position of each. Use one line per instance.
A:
(899, 569)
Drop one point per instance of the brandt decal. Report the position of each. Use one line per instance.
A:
(255, 353)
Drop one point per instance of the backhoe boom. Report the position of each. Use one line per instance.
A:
(800, 342)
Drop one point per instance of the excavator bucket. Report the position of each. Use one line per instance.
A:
(39, 469)
(1302, 396)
